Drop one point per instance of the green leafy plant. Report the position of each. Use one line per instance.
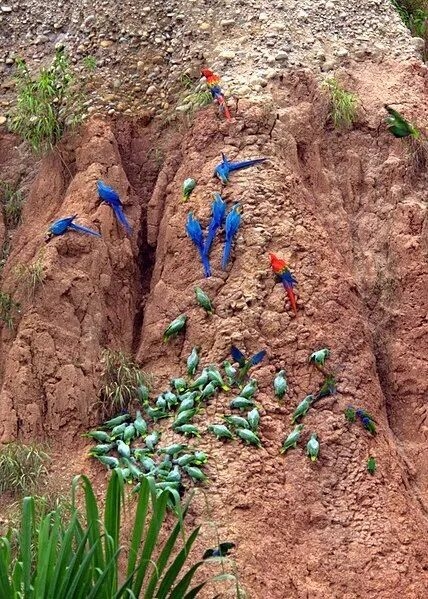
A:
(90, 63)
(21, 467)
(47, 104)
(4, 253)
(80, 559)
(343, 104)
(8, 307)
(414, 14)
(120, 380)
(32, 275)
(12, 202)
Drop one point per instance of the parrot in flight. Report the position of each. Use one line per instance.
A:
(111, 197)
(283, 273)
(244, 364)
(398, 126)
(194, 231)
(233, 221)
(225, 167)
(60, 226)
(218, 211)
(213, 82)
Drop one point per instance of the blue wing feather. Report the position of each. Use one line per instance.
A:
(84, 230)
(257, 358)
(117, 209)
(237, 355)
(236, 166)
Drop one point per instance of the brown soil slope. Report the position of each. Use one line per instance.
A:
(349, 213)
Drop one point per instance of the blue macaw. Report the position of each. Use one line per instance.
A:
(194, 231)
(60, 226)
(218, 210)
(225, 167)
(233, 220)
(111, 197)
(244, 363)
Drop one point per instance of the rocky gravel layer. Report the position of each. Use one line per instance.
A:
(143, 50)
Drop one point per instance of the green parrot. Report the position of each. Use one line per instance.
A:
(123, 449)
(280, 384)
(302, 408)
(188, 430)
(220, 431)
(195, 473)
(248, 436)
(152, 440)
(188, 186)
(249, 389)
(193, 361)
(313, 447)
(215, 377)
(184, 418)
(254, 419)
(237, 421)
(398, 126)
(173, 449)
(241, 403)
(175, 327)
(201, 381)
(100, 436)
(230, 372)
(204, 301)
(101, 449)
(108, 461)
(129, 433)
(319, 357)
(292, 439)
(116, 421)
(140, 424)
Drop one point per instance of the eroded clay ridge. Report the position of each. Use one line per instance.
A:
(348, 211)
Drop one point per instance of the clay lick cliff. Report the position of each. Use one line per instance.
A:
(348, 212)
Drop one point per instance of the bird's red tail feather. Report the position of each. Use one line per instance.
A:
(291, 298)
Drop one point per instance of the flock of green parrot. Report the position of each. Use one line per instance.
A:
(134, 440)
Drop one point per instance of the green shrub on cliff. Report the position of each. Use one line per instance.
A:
(82, 557)
(343, 104)
(21, 468)
(47, 104)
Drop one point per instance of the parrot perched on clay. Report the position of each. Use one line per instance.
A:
(188, 186)
(213, 83)
(194, 231)
(366, 420)
(327, 388)
(218, 211)
(221, 551)
(292, 439)
(398, 126)
(223, 170)
(204, 301)
(111, 197)
(244, 364)
(319, 357)
(284, 275)
(233, 220)
(280, 384)
(302, 408)
(62, 225)
(175, 327)
(313, 448)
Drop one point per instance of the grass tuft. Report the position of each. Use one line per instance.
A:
(21, 468)
(90, 63)
(47, 104)
(8, 307)
(12, 202)
(343, 104)
(32, 275)
(120, 380)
